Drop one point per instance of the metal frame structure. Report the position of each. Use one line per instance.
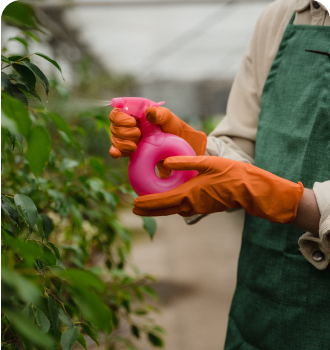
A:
(131, 3)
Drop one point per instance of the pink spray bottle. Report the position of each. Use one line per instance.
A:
(155, 145)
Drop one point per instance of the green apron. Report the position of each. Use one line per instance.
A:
(281, 301)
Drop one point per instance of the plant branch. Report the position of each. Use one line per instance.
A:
(8, 194)
(4, 332)
(50, 292)
(18, 60)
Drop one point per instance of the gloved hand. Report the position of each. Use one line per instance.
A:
(224, 184)
(126, 134)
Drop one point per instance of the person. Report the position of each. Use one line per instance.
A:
(270, 155)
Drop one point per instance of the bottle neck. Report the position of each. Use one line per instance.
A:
(148, 128)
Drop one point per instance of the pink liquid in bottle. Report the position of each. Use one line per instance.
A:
(155, 145)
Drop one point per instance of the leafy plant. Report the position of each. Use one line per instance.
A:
(64, 251)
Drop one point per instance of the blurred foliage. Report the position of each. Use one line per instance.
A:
(65, 272)
(210, 122)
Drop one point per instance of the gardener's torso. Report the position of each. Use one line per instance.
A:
(281, 300)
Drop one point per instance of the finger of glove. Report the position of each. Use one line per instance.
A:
(154, 116)
(172, 198)
(156, 212)
(115, 153)
(163, 117)
(163, 172)
(187, 163)
(124, 146)
(125, 133)
(121, 119)
(160, 200)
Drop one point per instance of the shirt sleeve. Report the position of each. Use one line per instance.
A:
(234, 137)
(317, 249)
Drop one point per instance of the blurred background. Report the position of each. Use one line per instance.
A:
(186, 53)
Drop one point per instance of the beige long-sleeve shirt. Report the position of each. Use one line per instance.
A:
(235, 136)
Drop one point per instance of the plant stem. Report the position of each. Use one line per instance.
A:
(8, 194)
(18, 60)
(4, 332)
(50, 292)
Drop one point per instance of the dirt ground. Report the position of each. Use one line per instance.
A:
(195, 267)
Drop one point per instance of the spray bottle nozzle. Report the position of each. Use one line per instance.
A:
(117, 102)
(134, 106)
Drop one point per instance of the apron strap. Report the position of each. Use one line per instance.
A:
(292, 19)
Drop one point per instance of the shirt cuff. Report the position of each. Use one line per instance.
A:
(317, 249)
(225, 147)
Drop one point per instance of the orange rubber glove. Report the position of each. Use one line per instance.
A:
(126, 134)
(224, 184)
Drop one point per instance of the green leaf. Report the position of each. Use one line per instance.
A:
(49, 255)
(109, 198)
(53, 62)
(11, 234)
(154, 340)
(20, 14)
(55, 249)
(15, 58)
(58, 339)
(57, 284)
(59, 271)
(27, 209)
(3, 132)
(95, 184)
(83, 278)
(5, 59)
(39, 147)
(17, 78)
(22, 41)
(61, 124)
(16, 111)
(93, 309)
(98, 166)
(40, 225)
(48, 225)
(53, 314)
(31, 35)
(23, 87)
(28, 313)
(25, 289)
(7, 124)
(26, 74)
(90, 332)
(69, 337)
(5, 82)
(82, 341)
(148, 290)
(159, 329)
(12, 138)
(149, 224)
(29, 250)
(20, 138)
(64, 318)
(140, 312)
(69, 163)
(135, 331)
(42, 321)
(39, 74)
(17, 93)
(9, 209)
(27, 329)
